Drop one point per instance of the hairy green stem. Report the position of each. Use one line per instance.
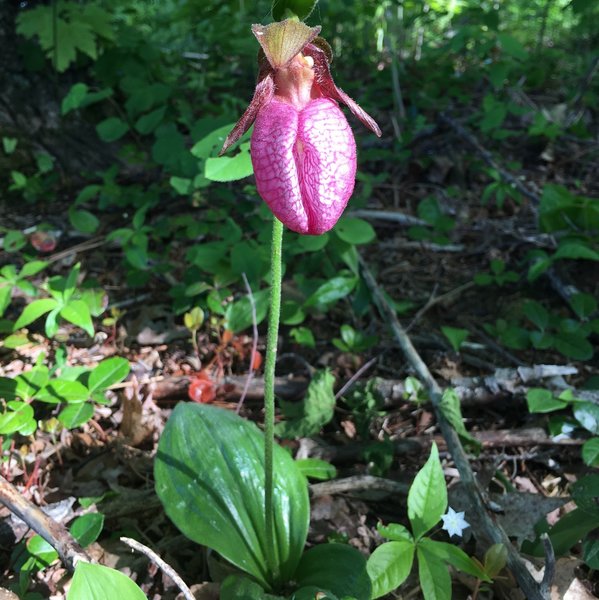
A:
(269, 388)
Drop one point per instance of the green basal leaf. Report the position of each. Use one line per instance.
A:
(238, 315)
(95, 582)
(335, 567)
(389, 566)
(210, 478)
(427, 498)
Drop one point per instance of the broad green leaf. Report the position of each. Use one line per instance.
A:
(61, 390)
(5, 297)
(590, 553)
(8, 388)
(227, 168)
(237, 587)
(435, 581)
(317, 408)
(147, 123)
(590, 452)
(74, 98)
(83, 220)
(86, 528)
(540, 400)
(77, 312)
(209, 473)
(455, 335)
(587, 414)
(456, 557)
(452, 411)
(108, 372)
(95, 582)
(336, 567)
(569, 530)
(16, 417)
(282, 9)
(585, 493)
(238, 315)
(32, 267)
(42, 550)
(427, 498)
(303, 336)
(211, 143)
(495, 560)
(510, 45)
(389, 566)
(34, 311)
(576, 250)
(316, 468)
(31, 383)
(111, 129)
(395, 532)
(355, 231)
(584, 305)
(331, 291)
(574, 345)
(75, 415)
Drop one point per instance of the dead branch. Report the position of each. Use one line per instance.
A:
(54, 533)
(176, 578)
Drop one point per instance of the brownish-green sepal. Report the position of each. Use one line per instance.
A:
(283, 41)
(262, 95)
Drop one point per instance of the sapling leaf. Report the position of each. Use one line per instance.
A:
(86, 528)
(456, 557)
(427, 498)
(389, 566)
(435, 580)
(395, 532)
(316, 468)
(107, 373)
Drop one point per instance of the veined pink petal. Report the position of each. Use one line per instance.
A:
(304, 163)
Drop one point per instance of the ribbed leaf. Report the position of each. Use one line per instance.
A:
(210, 478)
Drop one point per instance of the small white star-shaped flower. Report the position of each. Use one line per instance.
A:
(454, 522)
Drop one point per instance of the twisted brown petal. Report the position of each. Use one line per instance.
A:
(322, 76)
(263, 94)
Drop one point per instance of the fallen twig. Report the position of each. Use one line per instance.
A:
(54, 533)
(489, 528)
(358, 483)
(161, 564)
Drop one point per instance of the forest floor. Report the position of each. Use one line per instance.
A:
(525, 468)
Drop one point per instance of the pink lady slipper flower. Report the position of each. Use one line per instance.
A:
(303, 150)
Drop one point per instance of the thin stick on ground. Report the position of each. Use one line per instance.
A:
(54, 533)
(488, 528)
(250, 374)
(176, 578)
